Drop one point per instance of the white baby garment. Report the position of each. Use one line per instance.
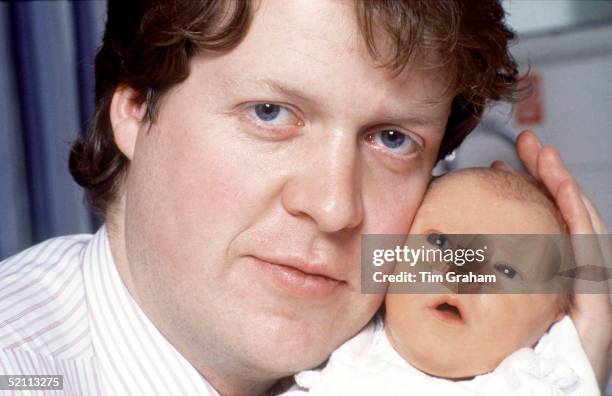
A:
(368, 365)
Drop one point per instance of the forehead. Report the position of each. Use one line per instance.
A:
(316, 47)
(467, 205)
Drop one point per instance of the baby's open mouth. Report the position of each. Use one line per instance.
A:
(448, 312)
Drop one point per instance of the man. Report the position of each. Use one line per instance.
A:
(238, 153)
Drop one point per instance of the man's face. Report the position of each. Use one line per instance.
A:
(246, 201)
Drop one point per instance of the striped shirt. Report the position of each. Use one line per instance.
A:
(64, 310)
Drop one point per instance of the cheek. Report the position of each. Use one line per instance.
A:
(500, 318)
(402, 313)
(522, 319)
(198, 193)
(210, 189)
(400, 308)
(219, 175)
(391, 202)
(541, 310)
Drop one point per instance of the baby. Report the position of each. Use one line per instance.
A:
(477, 343)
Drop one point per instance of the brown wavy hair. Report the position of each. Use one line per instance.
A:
(147, 45)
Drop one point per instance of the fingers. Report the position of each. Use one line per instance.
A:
(593, 325)
(528, 148)
(591, 311)
(587, 251)
(551, 170)
(572, 208)
(556, 176)
(544, 163)
(598, 223)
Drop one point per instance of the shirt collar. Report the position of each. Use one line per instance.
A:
(132, 355)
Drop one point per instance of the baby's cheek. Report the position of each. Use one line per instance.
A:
(507, 317)
(549, 307)
(400, 314)
(537, 312)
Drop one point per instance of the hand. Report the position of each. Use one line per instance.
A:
(591, 313)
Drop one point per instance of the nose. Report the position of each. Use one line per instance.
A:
(326, 184)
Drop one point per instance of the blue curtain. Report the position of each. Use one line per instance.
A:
(47, 51)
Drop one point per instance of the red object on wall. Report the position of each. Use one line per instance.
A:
(531, 110)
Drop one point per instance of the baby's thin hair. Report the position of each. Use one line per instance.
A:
(513, 185)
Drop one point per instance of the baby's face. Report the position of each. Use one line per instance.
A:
(462, 335)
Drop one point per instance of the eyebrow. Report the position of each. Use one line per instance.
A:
(274, 86)
(417, 120)
(285, 90)
(294, 92)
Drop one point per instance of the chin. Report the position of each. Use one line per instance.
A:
(457, 372)
(460, 373)
(287, 362)
(448, 364)
(295, 347)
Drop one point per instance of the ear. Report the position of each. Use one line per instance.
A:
(126, 117)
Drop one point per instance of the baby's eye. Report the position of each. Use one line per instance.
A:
(394, 141)
(438, 240)
(271, 114)
(506, 270)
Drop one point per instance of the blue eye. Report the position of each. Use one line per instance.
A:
(392, 139)
(506, 270)
(395, 141)
(270, 114)
(438, 240)
(267, 111)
